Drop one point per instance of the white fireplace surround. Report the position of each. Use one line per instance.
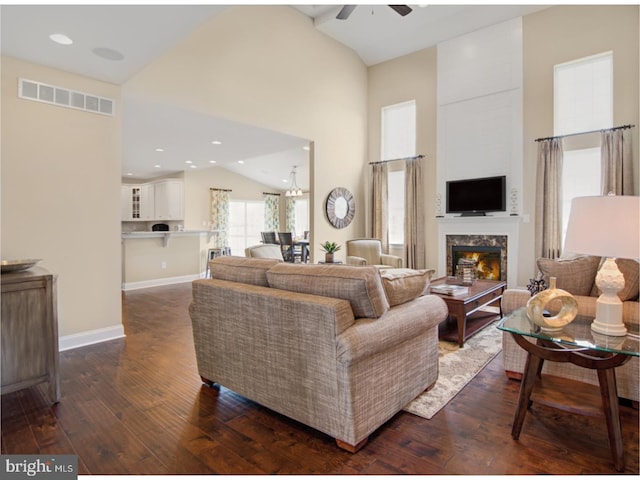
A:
(508, 226)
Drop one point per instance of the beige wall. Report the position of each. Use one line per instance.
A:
(268, 66)
(61, 194)
(561, 34)
(411, 77)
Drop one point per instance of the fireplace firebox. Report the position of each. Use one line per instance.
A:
(487, 259)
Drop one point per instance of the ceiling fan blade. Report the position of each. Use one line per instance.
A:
(402, 9)
(345, 12)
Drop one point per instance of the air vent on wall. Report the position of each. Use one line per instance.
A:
(40, 92)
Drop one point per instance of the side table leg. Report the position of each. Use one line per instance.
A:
(533, 364)
(609, 394)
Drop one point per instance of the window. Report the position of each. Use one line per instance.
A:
(395, 185)
(246, 220)
(583, 93)
(301, 216)
(583, 102)
(398, 140)
(398, 131)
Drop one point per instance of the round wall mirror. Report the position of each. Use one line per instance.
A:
(340, 207)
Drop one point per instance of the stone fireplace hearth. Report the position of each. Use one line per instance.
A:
(491, 231)
(489, 252)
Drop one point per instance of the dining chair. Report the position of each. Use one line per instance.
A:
(289, 251)
(269, 237)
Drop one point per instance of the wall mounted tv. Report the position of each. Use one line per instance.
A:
(477, 196)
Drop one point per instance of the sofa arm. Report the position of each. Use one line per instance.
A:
(366, 336)
(393, 260)
(357, 261)
(514, 298)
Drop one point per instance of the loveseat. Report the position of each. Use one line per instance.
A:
(320, 344)
(577, 276)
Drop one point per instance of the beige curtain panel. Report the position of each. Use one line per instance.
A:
(617, 164)
(548, 232)
(379, 202)
(414, 224)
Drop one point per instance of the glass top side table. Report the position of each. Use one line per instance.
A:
(579, 345)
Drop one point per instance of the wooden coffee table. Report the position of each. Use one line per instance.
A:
(482, 293)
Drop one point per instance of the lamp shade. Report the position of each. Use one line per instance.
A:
(605, 226)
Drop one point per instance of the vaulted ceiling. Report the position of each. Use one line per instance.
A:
(109, 45)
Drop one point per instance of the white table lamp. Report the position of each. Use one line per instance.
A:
(609, 227)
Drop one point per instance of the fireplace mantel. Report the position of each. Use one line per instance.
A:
(486, 225)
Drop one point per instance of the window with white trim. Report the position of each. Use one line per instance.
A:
(398, 140)
(246, 221)
(583, 102)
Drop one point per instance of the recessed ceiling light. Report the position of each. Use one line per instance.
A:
(212, 161)
(129, 174)
(188, 161)
(284, 180)
(108, 53)
(193, 166)
(60, 38)
(159, 149)
(157, 166)
(217, 142)
(306, 147)
(241, 161)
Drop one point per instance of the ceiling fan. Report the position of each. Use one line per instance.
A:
(346, 10)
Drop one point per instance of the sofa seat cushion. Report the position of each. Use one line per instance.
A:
(576, 276)
(402, 285)
(252, 271)
(361, 286)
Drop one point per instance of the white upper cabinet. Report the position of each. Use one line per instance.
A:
(169, 200)
(160, 200)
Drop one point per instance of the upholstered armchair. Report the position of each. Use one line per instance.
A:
(368, 251)
(264, 250)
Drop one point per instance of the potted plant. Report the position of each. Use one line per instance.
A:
(329, 248)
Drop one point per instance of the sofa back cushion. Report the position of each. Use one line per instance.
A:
(404, 284)
(241, 269)
(361, 286)
(576, 276)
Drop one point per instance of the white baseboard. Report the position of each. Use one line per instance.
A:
(69, 342)
(158, 282)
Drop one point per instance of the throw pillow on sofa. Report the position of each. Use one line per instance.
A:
(404, 284)
(361, 286)
(576, 276)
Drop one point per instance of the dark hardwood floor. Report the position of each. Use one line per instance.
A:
(137, 406)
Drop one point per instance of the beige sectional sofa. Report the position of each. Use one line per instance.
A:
(318, 343)
(577, 276)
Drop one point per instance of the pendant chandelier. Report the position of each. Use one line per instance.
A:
(294, 190)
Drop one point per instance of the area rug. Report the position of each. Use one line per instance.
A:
(457, 367)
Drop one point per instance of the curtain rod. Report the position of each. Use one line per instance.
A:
(220, 189)
(269, 193)
(397, 159)
(622, 127)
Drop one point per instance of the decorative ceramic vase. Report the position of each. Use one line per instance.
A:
(552, 324)
(328, 258)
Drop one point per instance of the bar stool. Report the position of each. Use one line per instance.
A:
(213, 253)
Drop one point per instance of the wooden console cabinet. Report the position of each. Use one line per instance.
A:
(29, 325)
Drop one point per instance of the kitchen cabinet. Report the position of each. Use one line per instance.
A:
(29, 325)
(159, 200)
(169, 200)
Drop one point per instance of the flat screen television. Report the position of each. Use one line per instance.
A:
(477, 196)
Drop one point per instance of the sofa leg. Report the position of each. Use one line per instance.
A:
(351, 448)
(210, 383)
(513, 375)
